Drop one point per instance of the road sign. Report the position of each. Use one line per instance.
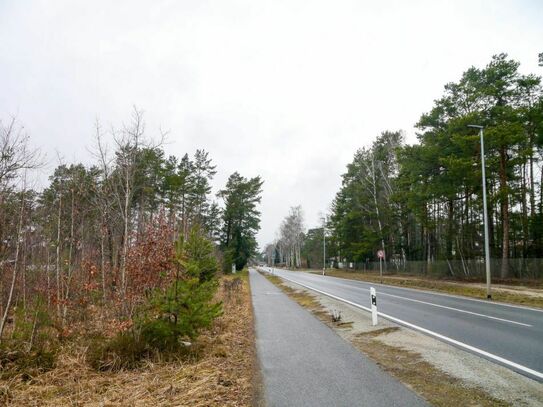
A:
(381, 254)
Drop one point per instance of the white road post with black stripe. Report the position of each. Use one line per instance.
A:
(373, 297)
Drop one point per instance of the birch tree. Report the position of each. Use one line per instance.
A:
(291, 236)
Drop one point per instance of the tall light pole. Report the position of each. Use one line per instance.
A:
(485, 211)
(273, 259)
(323, 245)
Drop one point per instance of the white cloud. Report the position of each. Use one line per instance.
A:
(285, 89)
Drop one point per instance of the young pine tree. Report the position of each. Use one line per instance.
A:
(186, 306)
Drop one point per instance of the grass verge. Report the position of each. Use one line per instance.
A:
(437, 387)
(217, 372)
(455, 288)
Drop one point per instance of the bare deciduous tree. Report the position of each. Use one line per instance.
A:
(291, 237)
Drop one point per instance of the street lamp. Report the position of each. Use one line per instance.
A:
(273, 260)
(323, 246)
(485, 212)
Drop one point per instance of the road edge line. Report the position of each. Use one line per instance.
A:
(462, 297)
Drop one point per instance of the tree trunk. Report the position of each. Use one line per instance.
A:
(57, 261)
(103, 259)
(377, 211)
(505, 214)
(70, 260)
(532, 180)
(125, 233)
(14, 273)
(48, 277)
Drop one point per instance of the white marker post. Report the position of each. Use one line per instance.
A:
(233, 269)
(373, 296)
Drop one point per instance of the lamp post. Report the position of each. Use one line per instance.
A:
(485, 211)
(323, 246)
(274, 255)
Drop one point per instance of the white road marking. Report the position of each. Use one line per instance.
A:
(456, 309)
(419, 290)
(463, 345)
(443, 306)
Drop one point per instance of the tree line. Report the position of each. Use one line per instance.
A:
(422, 203)
(107, 233)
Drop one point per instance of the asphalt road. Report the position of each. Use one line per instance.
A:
(509, 335)
(305, 363)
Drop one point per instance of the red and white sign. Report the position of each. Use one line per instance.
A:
(381, 254)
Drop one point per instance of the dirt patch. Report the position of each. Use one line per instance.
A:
(512, 294)
(440, 373)
(219, 374)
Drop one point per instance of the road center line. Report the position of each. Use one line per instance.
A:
(527, 370)
(455, 309)
(441, 294)
(444, 306)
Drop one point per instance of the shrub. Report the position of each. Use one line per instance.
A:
(17, 360)
(196, 256)
(181, 311)
(31, 348)
(125, 350)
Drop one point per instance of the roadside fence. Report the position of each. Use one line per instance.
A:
(518, 268)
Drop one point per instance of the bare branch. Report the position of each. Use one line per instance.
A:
(15, 154)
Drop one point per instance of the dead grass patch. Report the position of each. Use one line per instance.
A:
(345, 325)
(218, 372)
(308, 301)
(302, 297)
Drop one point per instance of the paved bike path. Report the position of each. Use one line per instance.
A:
(305, 363)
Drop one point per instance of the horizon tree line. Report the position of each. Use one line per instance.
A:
(422, 203)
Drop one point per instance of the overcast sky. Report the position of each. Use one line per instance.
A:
(283, 89)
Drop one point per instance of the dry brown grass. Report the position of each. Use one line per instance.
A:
(437, 387)
(465, 289)
(303, 298)
(219, 373)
